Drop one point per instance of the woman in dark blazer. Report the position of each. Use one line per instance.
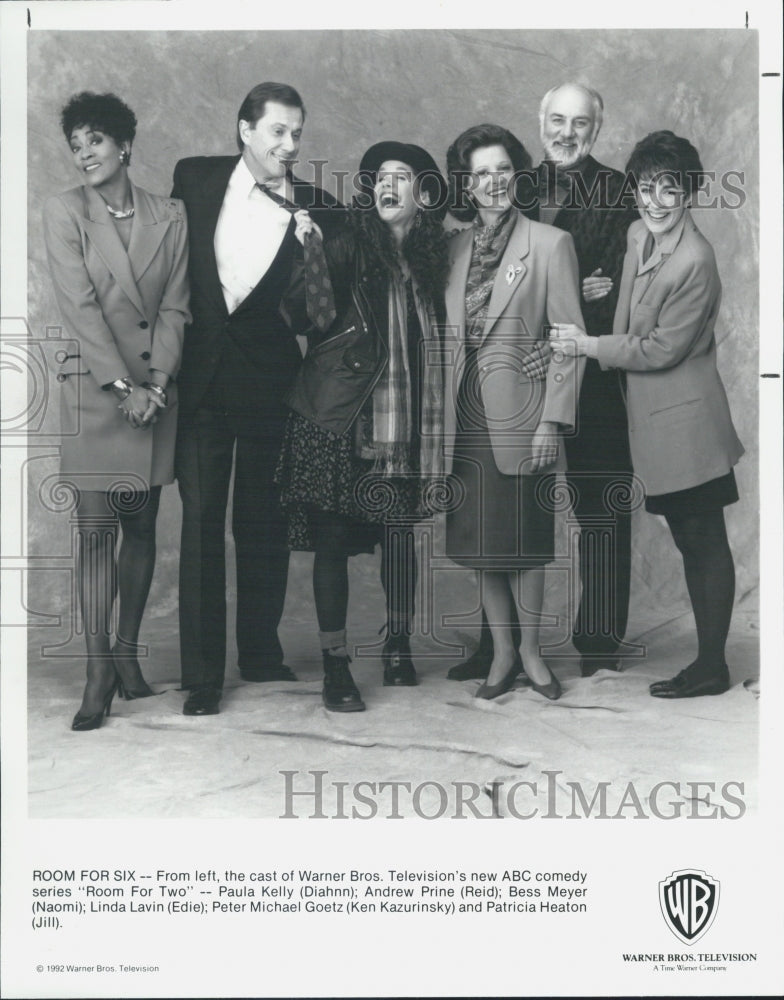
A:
(509, 278)
(682, 438)
(118, 260)
(364, 443)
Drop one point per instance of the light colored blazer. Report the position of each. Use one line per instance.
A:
(536, 285)
(680, 428)
(125, 313)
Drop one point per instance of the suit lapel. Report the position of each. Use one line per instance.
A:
(104, 238)
(511, 272)
(214, 191)
(147, 234)
(458, 277)
(454, 335)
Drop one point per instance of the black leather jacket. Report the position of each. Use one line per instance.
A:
(343, 364)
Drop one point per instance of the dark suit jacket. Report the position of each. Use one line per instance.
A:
(253, 347)
(597, 218)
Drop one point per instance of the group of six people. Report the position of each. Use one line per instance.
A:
(569, 328)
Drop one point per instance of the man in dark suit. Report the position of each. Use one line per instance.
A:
(238, 363)
(589, 201)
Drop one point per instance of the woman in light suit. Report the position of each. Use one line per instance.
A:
(509, 279)
(682, 438)
(118, 260)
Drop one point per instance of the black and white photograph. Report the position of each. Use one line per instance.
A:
(392, 501)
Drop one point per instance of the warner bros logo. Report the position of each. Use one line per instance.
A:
(689, 900)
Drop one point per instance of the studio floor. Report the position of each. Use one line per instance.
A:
(148, 760)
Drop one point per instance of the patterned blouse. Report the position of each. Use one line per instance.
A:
(488, 249)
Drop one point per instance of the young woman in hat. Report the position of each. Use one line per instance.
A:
(363, 443)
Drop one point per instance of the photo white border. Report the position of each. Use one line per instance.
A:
(748, 850)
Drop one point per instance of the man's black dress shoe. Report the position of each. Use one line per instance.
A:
(258, 675)
(690, 683)
(340, 693)
(203, 701)
(399, 670)
(590, 665)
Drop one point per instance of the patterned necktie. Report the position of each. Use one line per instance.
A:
(318, 288)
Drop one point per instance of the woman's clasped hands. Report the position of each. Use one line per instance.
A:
(140, 407)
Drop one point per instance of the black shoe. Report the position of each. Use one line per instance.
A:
(475, 668)
(84, 723)
(259, 675)
(490, 691)
(398, 669)
(340, 693)
(130, 662)
(203, 701)
(590, 665)
(691, 683)
(551, 690)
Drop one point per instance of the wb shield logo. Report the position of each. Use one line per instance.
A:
(689, 900)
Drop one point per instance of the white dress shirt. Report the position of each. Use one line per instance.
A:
(248, 235)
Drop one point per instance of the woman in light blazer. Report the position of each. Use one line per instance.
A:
(682, 438)
(118, 260)
(509, 279)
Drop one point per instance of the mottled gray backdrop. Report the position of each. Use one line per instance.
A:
(423, 87)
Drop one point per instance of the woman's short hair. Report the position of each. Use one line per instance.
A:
(664, 153)
(458, 163)
(104, 113)
(254, 105)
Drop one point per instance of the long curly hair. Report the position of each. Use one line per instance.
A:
(424, 250)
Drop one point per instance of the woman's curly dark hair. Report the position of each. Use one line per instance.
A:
(424, 249)
(103, 112)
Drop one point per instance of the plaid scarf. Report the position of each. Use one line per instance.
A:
(392, 429)
(486, 253)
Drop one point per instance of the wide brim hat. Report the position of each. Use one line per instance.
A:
(425, 168)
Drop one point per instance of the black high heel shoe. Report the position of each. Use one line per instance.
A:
(490, 691)
(399, 669)
(84, 723)
(552, 689)
(126, 693)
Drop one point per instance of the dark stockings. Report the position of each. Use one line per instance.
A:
(330, 590)
(398, 577)
(99, 576)
(710, 579)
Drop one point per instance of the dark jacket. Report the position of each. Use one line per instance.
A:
(597, 217)
(246, 359)
(343, 364)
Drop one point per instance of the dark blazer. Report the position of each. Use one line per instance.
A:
(597, 217)
(535, 285)
(680, 427)
(254, 341)
(126, 311)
